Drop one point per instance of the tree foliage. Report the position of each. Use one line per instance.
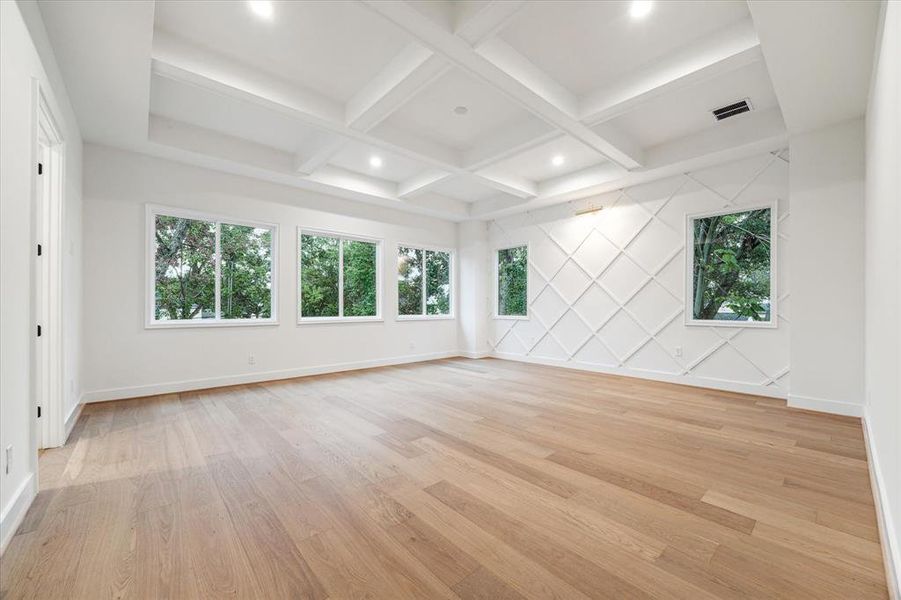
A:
(246, 272)
(512, 280)
(437, 284)
(409, 281)
(320, 262)
(732, 266)
(185, 270)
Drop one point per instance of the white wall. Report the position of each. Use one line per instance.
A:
(123, 359)
(606, 289)
(883, 279)
(25, 57)
(472, 240)
(826, 181)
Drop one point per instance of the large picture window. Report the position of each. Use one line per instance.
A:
(206, 270)
(423, 282)
(731, 275)
(339, 278)
(512, 270)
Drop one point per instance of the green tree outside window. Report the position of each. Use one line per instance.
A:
(512, 281)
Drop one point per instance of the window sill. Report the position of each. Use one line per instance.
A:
(210, 324)
(733, 324)
(425, 318)
(510, 317)
(327, 320)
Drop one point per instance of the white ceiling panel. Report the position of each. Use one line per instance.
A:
(356, 156)
(467, 189)
(537, 164)
(586, 46)
(191, 104)
(431, 112)
(686, 111)
(333, 48)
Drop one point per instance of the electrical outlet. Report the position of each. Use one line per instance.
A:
(677, 351)
(9, 457)
(251, 359)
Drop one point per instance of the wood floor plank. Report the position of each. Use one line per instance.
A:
(458, 478)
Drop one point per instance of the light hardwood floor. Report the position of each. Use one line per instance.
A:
(456, 478)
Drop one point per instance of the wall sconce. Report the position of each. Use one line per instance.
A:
(588, 210)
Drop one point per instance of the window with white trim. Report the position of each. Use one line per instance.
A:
(206, 270)
(511, 268)
(424, 282)
(339, 277)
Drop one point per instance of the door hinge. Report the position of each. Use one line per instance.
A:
(39, 331)
(39, 249)
(39, 412)
(40, 169)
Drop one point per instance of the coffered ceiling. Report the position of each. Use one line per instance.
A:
(465, 109)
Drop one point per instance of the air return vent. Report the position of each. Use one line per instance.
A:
(733, 109)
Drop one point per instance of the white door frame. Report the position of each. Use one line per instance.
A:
(47, 221)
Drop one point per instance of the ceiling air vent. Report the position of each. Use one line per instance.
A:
(733, 109)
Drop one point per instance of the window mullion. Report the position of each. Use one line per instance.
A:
(218, 283)
(425, 270)
(340, 277)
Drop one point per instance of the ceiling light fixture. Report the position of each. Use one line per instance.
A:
(641, 8)
(558, 160)
(262, 8)
(375, 162)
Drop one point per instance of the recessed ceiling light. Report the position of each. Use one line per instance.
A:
(261, 8)
(375, 162)
(641, 8)
(461, 110)
(558, 160)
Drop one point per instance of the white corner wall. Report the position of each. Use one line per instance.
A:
(26, 58)
(882, 417)
(123, 359)
(826, 181)
(606, 290)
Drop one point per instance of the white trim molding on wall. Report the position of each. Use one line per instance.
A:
(891, 547)
(14, 512)
(834, 407)
(607, 289)
(171, 387)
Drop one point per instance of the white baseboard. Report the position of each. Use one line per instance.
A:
(828, 406)
(474, 355)
(704, 382)
(72, 419)
(213, 382)
(891, 551)
(14, 511)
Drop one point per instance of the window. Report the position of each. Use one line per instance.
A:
(207, 271)
(512, 269)
(423, 283)
(339, 278)
(731, 268)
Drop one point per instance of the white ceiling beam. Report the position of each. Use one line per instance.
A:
(511, 74)
(508, 142)
(407, 73)
(479, 21)
(416, 185)
(509, 184)
(724, 51)
(308, 164)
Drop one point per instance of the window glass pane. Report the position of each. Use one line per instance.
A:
(359, 279)
(512, 278)
(185, 269)
(731, 270)
(318, 276)
(246, 272)
(437, 286)
(409, 281)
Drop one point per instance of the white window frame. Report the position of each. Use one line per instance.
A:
(496, 286)
(452, 274)
(690, 259)
(340, 236)
(152, 210)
